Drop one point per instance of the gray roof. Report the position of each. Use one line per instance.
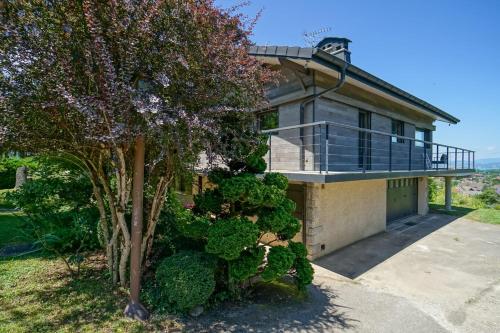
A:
(326, 59)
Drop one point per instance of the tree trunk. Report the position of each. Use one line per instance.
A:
(135, 309)
(21, 176)
(124, 256)
(154, 215)
(103, 224)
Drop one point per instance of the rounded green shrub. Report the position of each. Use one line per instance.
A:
(276, 179)
(299, 249)
(273, 196)
(279, 261)
(217, 175)
(275, 219)
(209, 201)
(292, 228)
(254, 161)
(194, 227)
(244, 187)
(256, 164)
(227, 238)
(185, 280)
(304, 273)
(247, 264)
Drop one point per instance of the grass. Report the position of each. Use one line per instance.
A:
(485, 215)
(11, 229)
(470, 207)
(38, 295)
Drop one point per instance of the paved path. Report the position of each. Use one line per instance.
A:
(430, 274)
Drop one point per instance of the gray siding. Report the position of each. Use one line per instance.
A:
(343, 143)
(380, 143)
(305, 149)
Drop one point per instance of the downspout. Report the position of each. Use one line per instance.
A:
(313, 99)
(337, 86)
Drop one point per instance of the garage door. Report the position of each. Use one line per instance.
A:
(401, 198)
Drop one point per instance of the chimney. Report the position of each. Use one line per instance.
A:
(336, 46)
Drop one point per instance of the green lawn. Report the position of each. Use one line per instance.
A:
(37, 295)
(485, 215)
(11, 231)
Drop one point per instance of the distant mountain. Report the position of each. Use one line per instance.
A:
(488, 163)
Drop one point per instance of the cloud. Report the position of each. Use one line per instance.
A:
(491, 148)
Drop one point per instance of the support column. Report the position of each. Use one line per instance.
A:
(447, 192)
(313, 227)
(423, 196)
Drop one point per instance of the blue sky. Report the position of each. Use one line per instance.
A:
(445, 52)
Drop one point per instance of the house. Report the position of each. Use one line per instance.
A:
(357, 150)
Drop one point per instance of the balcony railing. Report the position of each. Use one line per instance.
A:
(333, 147)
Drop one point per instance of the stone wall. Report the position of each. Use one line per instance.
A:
(339, 214)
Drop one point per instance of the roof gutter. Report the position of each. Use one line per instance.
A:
(325, 59)
(336, 87)
(364, 77)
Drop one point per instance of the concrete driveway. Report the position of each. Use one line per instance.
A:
(426, 274)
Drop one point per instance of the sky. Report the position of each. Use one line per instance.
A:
(444, 52)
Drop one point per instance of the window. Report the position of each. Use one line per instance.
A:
(421, 134)
(268, 120)
(398, 128)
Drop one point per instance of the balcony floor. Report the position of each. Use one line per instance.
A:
(341, 176)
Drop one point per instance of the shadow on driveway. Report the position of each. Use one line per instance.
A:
(273, 310)
(356, 259)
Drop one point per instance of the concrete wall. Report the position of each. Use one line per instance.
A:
(339, 214)
(286, 151)
(423, 196)
(294, 149)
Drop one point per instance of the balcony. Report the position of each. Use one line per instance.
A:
(327, 152)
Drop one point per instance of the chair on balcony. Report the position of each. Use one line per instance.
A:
(443, 160)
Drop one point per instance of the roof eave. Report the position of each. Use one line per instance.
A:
(352, 71)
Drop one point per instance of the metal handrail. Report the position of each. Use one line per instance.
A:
(361, 130)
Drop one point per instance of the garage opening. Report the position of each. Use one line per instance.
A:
(297, 193)
(402, 198)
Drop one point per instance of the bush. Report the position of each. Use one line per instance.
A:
(219, 225)
(276, 179)
(58, 205)
(298, 249)
(489, 197)
(227, 238)
(304, 273)
(185, 280)
(279, 261)
(247, 265)
(4, 202)
(432, 188)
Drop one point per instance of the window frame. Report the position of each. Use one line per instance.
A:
(426, 134)
(397, 128)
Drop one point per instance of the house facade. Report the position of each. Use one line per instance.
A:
(357, 150)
